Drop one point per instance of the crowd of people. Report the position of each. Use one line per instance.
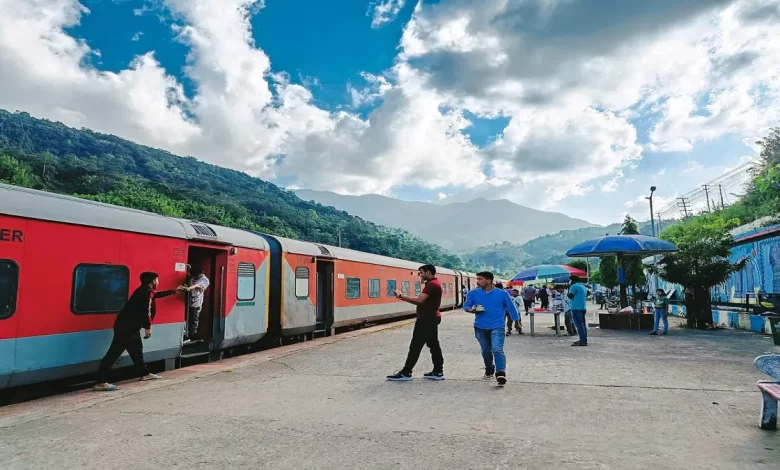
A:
(496, 312)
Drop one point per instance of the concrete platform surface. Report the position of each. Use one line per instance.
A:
(627, 401)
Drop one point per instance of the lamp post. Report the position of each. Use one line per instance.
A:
(652, 225)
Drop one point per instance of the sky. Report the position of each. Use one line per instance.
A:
(574, 106)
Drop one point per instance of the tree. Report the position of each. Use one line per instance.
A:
(595, 277)
(580, 264)
(609, 272)
(632, 265)
(701, 263)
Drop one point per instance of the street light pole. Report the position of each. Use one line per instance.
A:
(652, 225)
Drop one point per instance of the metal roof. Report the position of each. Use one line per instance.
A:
(42, 205)
(316, 249)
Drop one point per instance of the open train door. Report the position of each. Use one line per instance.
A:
(325, 297)
(211, 321)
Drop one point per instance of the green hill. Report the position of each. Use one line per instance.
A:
(41, 154)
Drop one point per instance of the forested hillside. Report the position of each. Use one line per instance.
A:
(41, 154)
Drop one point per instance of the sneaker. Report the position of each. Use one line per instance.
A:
(577, 343)
(501, 378)
(488, 375)
(663, 333)
(400, 376)
(434, 375)
(104, 388)
(509, 333)
(653, 333)
(150, 377)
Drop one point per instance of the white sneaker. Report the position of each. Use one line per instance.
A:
(150, 377)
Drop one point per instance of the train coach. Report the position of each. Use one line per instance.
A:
(67, 266)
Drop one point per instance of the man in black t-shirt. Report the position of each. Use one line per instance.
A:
(426, 328)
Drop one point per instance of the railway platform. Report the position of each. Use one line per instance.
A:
(627, 401)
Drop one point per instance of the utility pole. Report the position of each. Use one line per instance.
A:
(684, 207)
(720, 188)
(707, 195)
(652, 225)
(339, 237)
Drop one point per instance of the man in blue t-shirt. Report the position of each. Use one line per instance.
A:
(489, 305)
(577, 295)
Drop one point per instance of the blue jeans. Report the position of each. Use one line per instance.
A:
(661, 313)
(578, 317)
(492, 344)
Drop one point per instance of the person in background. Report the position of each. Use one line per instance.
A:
(198, 285)
(138, 313)
(529, 298)
(518, 301)
(544, 297)
(489, 306)
(426, 327)
(567, 318)
(577, 295)
(661, 305)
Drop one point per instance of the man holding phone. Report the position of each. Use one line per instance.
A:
(426, 328)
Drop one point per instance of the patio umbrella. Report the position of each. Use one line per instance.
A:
(547, 271)
(620, 246)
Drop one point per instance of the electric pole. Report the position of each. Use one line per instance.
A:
(684, 206)
(720, 188)
(707, 195)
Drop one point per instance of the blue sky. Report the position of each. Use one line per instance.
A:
(536, 101)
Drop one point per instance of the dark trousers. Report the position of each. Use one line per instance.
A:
(426, 331)
(545, 302)
(123, 341)
(569, 321)
(509, 323)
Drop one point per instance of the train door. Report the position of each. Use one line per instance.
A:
(210, 329)
(325, 289)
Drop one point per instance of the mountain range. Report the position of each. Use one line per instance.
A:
(461, 227)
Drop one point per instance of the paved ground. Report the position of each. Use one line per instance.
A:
(627, 401)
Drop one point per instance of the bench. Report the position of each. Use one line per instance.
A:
(557, 320)
(770, 365)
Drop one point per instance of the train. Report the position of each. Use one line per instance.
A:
(68, 265)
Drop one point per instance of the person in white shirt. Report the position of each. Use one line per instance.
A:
(561, 292)
(517, 299)
(197, 287)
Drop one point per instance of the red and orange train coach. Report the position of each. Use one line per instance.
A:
(67, 266)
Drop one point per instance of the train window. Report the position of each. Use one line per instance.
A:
(245, 287)
(405, 287)
(302, 282)
(417, 288)
(392, 285)
(9, 283)
(451, 288)
(353, 288)
(99, 288)
(374, 288)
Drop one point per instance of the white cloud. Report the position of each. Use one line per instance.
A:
(570, 84)
(384, 11)
(137, 36)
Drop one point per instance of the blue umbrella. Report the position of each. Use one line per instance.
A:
(620, 246)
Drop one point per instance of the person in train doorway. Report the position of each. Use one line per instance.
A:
(488, 305)
(426, 327)
(138, 313)
(197, 287)
(577, 295)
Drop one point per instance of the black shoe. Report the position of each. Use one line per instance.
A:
(653, 333)
(501, 378)
(577, 343)
(434, 375)
(400, 376)
(488, 374)
(508, 333)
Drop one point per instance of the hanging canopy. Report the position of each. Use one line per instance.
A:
(621, 245)
(547, 271)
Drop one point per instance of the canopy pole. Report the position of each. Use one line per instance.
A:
(622, 281)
